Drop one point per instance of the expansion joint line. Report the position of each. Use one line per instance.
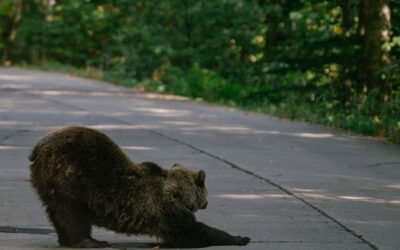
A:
(14, 133)
(283, 189)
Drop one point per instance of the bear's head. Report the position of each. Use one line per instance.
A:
(187, 187)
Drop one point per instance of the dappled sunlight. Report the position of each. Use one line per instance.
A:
(313, 135)
(9, 147)
(317, 196)
(63, 112)
(308, 195)
(180, 123)
(77, 93)
(164, 97)
(243, 130)
(369, 199)
(137, 148)
(233, 129)
(121, 126)
(15, 123)
(397, 186)
(311, 195)
(192, 133)
(323, 196)
(17, 77)
(306, 190)
(302, 135)
(225, 129)
(14, 86)
(360, 198)
(253, 196)
(165, 112)
(56, 112)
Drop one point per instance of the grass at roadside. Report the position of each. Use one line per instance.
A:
(88, 72)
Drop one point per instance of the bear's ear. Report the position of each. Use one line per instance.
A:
(175, 165)
(201, 177)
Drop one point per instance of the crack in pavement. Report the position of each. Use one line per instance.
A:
(379, 164)
(25, 230)
(14, 133)
(14, 179)
(233, 166)
(302, 241)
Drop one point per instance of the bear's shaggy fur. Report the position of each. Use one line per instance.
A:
(83, 178)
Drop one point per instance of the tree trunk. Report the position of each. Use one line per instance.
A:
(10, 42)
(349, 12)
(361, 18)
(188, 33)
(276, 21)
(348, 17)
(376, 18)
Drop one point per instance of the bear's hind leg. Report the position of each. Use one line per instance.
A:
(72, 223)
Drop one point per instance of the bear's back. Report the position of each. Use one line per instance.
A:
(77, 153)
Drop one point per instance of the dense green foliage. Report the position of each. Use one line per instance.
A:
(303, 59)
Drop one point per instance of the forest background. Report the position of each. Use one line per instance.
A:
(330, 62)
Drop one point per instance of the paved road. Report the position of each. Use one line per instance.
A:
(287, 185)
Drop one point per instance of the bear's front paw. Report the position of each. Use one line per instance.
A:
(242, 240)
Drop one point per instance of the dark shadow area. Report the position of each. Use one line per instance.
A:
(138, 245)
(146, 245)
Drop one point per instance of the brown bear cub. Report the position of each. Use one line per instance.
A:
(83, 178)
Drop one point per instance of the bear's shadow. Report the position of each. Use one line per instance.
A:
(135, 245)
(141, 245)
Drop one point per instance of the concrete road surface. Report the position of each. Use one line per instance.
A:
(287, 185)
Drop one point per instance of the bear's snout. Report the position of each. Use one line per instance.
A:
(204, 206)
